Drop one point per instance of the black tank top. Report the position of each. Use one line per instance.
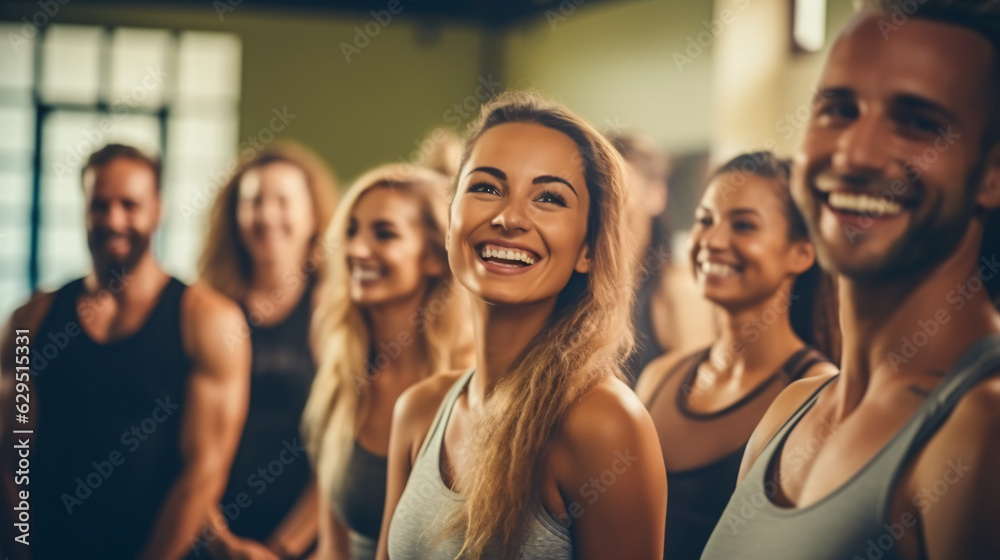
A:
(108, 429)
(359, 500)
(699, 495)
(271, 468)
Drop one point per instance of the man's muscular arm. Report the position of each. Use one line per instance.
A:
(215, 407)
(28, 317)
(953, 485)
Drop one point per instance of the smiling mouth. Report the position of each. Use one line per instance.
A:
(877, 201)
(718, 269)
(506, 256)
(365, 274)
(861, 204)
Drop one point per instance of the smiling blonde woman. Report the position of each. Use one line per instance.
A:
(541, 450)
(391, 315)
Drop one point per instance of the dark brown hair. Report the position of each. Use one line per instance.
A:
(111, 152)
(814, 311)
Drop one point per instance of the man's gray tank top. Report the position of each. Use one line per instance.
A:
(853, 521)
(427, 502)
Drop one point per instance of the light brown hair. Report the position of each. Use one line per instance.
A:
(585, 341)
(225, 263)
(340, 331)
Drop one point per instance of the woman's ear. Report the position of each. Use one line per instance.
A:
(583, 260)
(989, 186)
(434, 265)
(803, 256)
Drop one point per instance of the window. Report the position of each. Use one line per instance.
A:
(72, 89)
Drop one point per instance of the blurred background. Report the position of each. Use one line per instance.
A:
(204, 83)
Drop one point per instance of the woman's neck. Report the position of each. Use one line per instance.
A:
(502, 332)
(755, 338)
(272, 274)
(396, 344)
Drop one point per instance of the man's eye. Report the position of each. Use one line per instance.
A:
(846, 111)
(920, 124)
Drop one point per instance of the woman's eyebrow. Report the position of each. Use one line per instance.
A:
(490, 170)
(553, 179)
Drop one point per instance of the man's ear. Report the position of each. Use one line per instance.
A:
(158, 202)
(989, 185)
(583, 260)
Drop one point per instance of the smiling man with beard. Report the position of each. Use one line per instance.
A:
(898, 178)
(138, 407)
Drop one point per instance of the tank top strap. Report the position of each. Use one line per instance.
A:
(170, 299)
(685, 364)
(980, 361)
(64, 302)
(436, 433)
(164, 323)
(62, 310)
(802, 361)
(763, 462)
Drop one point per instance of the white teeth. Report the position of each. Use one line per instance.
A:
(863, 203)
(363, 274)
(507, 254)
(717, 269)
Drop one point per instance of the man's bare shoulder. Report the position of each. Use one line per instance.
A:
(973, 428)
(29, 317)
(213, 328)
(31, 314)
(203, 303)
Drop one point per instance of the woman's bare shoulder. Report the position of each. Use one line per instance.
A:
(424, 397)
(609, 414)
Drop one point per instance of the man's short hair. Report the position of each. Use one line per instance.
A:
(111, 152)
(979, 16)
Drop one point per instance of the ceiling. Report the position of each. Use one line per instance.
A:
(490, 13)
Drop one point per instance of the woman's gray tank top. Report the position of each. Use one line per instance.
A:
(427, 502)
(853, 521)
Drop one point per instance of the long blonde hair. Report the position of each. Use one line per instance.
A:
(585, 341)
(341, 385)
(225, 263)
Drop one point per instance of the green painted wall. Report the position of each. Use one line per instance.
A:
(615, 64)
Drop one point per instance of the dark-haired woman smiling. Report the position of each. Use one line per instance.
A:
(753, 260)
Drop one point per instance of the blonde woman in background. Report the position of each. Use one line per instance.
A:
(264, 252)
(392, 315)
(541, 451)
